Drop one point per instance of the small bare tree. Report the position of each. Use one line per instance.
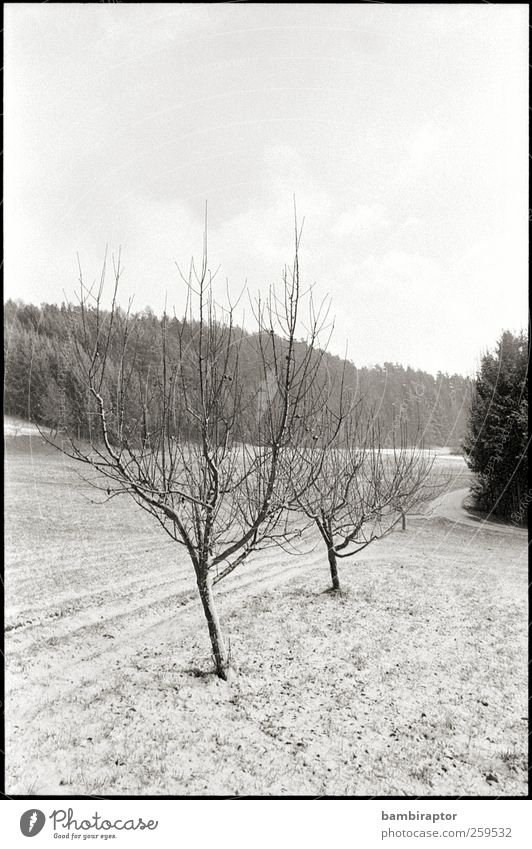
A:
(193, 433)
(359, 490)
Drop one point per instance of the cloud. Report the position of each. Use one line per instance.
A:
(413, 223)
(365, 217)
(419, 151)
(415, 276)
(287, 173)
(126, 33)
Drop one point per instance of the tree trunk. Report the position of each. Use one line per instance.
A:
(221, 658)
(403, 521)
(334, 569)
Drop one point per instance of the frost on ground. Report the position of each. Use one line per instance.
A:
(411, 681)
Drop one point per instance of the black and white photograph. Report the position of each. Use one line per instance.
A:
(265, 403)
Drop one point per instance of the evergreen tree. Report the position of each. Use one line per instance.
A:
(496, 442)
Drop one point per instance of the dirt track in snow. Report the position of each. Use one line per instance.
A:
(453, 507)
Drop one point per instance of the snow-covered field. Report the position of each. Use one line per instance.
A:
(14, 427)
(411, 681)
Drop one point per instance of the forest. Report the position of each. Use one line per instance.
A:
(40, 385)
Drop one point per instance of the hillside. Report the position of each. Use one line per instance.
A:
(38, 375)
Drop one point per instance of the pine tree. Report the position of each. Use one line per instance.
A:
(496, 442)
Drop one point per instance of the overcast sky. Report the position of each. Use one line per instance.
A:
(402, 131)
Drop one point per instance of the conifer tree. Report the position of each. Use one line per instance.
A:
(496, 443)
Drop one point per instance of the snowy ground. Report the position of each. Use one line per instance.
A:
(14, 427)
(411, 681)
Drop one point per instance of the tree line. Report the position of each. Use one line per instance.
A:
(38, 380)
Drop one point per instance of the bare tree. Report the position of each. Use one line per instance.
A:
(199, 440)
(360, 491)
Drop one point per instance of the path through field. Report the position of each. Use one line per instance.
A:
(453, 506)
